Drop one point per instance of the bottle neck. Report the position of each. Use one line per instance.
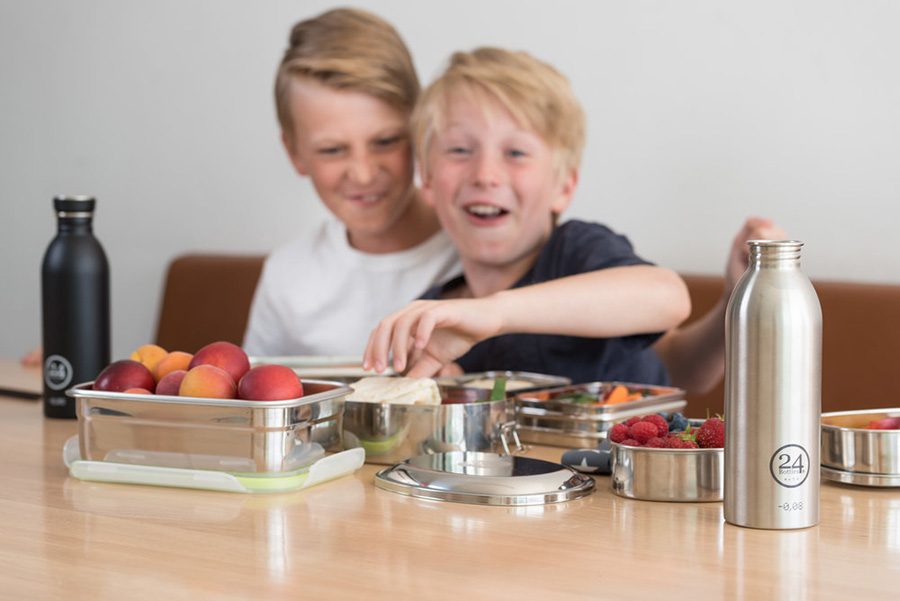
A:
(774, 254)
(75, 223)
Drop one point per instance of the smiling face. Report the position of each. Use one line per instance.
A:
(357, 151)
(495, 186)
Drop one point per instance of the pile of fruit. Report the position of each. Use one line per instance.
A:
(219, 370)
(888, 423)
(669, 431)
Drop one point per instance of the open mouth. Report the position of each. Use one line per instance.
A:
(367, 198)
(484, 211)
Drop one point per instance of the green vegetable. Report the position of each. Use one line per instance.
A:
(498, 392)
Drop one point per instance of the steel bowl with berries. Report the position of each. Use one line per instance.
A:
(668, 458)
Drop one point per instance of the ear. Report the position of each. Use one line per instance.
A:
(565, 192)
(296, 158)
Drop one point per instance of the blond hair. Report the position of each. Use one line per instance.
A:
(536, 95)
(347, 49)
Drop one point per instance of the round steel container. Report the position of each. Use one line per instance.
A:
(847, 444)
(654, 474)
(391, 433)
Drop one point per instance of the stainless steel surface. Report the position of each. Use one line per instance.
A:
(861, 479)
(548, 417)
(773, 380)
(485, 479)
(682, 475)
(216, 434)
(848, 446)
(391, 433)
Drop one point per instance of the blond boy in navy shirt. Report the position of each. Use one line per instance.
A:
(499, 137)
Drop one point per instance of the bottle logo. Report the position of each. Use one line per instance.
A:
(790, 465)
(57, 372)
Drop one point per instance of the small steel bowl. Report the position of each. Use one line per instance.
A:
(391, 433)
(678, 475)
(848, 446)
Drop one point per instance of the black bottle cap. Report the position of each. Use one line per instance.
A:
(74, 204)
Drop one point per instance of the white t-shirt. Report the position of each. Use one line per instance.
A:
(320, 296)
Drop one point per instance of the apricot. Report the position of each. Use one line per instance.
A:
(224, 355)
(170, 383)
(173, 361)
(270, 383)
(149, 355)
(207, 381)
(137, 391)
(121, 375)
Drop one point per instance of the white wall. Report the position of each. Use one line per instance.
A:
(700, 113)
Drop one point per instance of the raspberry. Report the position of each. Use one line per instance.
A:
(659, 421)
(711, 434)
(644, 431)
(656, 442)
(618, 433)
(630, 442)
(632, 421)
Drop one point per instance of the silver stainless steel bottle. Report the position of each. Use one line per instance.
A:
(773, 382)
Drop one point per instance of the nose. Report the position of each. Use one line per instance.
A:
(487, 170)
(362, 168)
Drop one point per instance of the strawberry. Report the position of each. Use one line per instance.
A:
(711, 434)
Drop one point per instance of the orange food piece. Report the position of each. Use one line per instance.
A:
(620, 394)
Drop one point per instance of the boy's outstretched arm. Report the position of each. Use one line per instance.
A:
(619, 301)
(694, 355)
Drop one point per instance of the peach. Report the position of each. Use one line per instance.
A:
(149, 355)
(224, 355)
(170, 383)
(137, 391)
(270, 383)
(173, 361)
(207, 381)
(121, 375)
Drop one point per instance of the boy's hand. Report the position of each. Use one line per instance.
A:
(427, 335)
(755, 228)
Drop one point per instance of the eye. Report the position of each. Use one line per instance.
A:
(458, 150)
(329, 150)
(388, 142)
(515, 153)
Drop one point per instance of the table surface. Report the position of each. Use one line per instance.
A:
(63, 538)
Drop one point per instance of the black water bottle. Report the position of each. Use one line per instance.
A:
(75, 299)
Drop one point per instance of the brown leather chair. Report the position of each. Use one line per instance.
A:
(207, 298)
(860, 344)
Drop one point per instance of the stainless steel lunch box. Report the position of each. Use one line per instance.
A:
(215, 434)
(391, 433)
(680, 475)
(550, 417)
(853, 454)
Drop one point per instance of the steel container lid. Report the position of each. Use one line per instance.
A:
(484, 479)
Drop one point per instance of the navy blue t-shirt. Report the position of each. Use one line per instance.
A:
(574, 247)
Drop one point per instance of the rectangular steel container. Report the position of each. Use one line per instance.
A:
(216, 434)
(552, 417)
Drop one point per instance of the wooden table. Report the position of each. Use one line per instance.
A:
(63, 538)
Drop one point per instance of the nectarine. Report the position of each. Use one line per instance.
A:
(270, 383)
(207, 381)
(121, 375)
(170, 383)
(224, 355)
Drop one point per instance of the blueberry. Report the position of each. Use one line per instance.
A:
(678, 423)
